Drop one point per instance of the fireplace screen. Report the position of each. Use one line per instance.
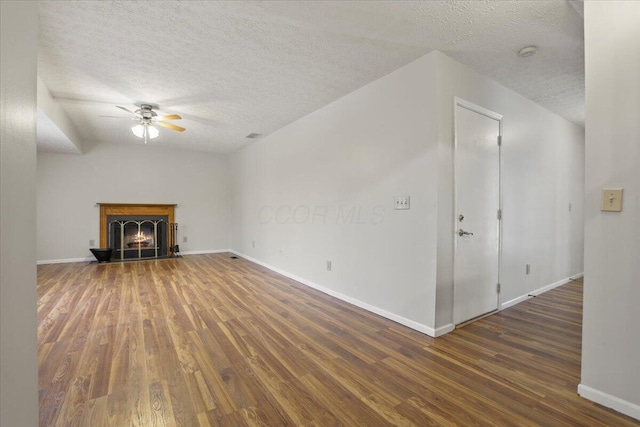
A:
(138, 237)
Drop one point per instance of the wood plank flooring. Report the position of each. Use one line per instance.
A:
(207, 340)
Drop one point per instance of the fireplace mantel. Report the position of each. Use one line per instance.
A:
(107, 209)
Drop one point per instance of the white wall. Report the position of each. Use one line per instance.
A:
(610, 347)
(322, 188)
(69, 186)
(54, 112)
(543, 170)
(354, 155)
(18, 349)
(394, 137)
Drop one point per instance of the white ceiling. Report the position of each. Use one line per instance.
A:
(232, 68)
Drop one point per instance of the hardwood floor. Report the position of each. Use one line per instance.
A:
(207, 340)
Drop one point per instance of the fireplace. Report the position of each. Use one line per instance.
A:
(137, 237)
(137, 231)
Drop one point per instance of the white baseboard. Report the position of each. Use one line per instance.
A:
(208, 251)
(444, 329)
(386, 314)
(609, 401)
(64, 261)
(539, 291)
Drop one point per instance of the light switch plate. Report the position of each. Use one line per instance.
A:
(402, 203)
(612, 200)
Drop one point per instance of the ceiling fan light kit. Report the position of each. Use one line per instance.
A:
(142, 129)
(146, 119)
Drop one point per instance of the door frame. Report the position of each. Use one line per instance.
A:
(459, 102)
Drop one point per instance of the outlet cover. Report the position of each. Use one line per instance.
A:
(184, 239)
(328, 265)
(402, 203)
(92, 243)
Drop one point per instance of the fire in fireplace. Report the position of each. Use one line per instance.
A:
(139, 240)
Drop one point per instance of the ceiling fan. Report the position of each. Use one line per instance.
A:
(146, 118)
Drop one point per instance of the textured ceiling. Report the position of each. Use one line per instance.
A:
(233, 68)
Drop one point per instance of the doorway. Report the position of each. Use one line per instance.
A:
(477, 175)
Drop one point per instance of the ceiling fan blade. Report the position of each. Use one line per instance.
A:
(127, 110)
(169, 117)
(120, 117)
(170, 126)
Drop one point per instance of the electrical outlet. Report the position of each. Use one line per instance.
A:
(528, 269)
(569, 207)
(402, 203)
(253, 243)
(184, 239)
(92, 243)
(328, 265)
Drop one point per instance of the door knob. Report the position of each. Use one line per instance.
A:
(461, 233)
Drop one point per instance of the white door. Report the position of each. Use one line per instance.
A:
(477, 202)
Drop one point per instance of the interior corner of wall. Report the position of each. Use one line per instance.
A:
(444, 296)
